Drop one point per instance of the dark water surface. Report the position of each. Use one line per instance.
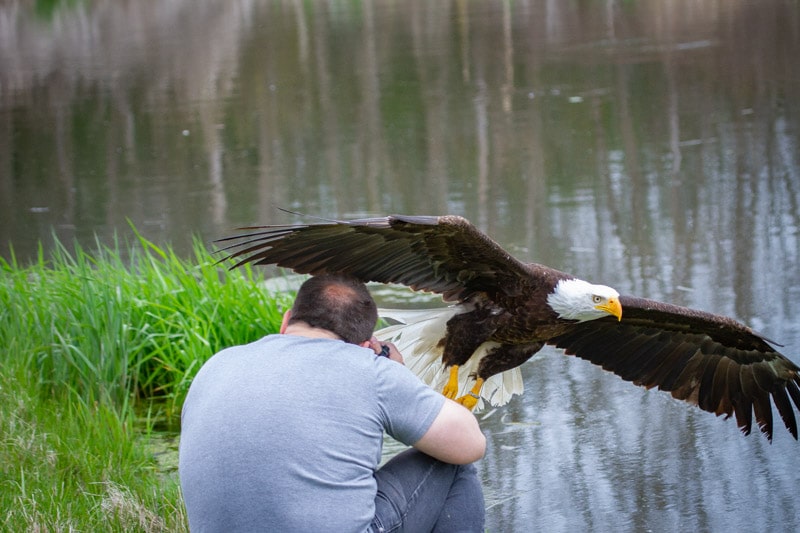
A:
(651, 146)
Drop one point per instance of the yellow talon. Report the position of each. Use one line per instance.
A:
(470, 400)
(450, 389)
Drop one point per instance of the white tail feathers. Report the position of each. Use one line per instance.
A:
(417, 335)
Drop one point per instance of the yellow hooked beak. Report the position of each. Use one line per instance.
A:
(612, 307)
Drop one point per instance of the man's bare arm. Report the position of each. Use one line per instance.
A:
(454, 437)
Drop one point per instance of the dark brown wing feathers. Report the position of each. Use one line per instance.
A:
(446, 255)
(711, 361)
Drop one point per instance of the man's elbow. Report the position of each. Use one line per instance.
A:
(473, 442)
(454, 437)
(482, 447)
(475, 451)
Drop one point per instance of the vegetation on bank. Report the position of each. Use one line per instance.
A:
(87, 339)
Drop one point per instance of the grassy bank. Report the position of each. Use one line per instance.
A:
(69, 466)
(86, 339)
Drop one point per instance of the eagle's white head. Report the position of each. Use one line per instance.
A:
(575, 299)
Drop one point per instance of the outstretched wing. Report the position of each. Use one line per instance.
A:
(708, 360)
(442, 254)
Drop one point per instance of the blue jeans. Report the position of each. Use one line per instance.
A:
(418, 493)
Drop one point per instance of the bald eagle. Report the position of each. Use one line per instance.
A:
(505, 311)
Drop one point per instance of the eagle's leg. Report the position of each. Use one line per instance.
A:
(451, 387)
(465, 333)
(470, 400)
(504, 357)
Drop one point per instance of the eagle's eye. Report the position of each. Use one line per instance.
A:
(597, 299)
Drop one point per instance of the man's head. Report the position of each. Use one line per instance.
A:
(339, 304)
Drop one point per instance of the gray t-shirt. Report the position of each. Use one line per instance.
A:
(284, 434)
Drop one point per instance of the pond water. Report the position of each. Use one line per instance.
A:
(651, 146)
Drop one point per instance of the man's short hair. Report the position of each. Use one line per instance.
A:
(340, 304)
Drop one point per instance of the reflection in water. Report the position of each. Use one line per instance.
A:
(590, 454)
(652, 146)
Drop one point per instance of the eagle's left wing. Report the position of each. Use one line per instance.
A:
(708, 360)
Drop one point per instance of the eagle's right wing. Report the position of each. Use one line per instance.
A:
(441, 254)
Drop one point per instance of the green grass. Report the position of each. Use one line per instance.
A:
(69, 466)
(89, 339)
(125, 324)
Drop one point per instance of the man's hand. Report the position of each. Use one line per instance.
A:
(394, 353)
